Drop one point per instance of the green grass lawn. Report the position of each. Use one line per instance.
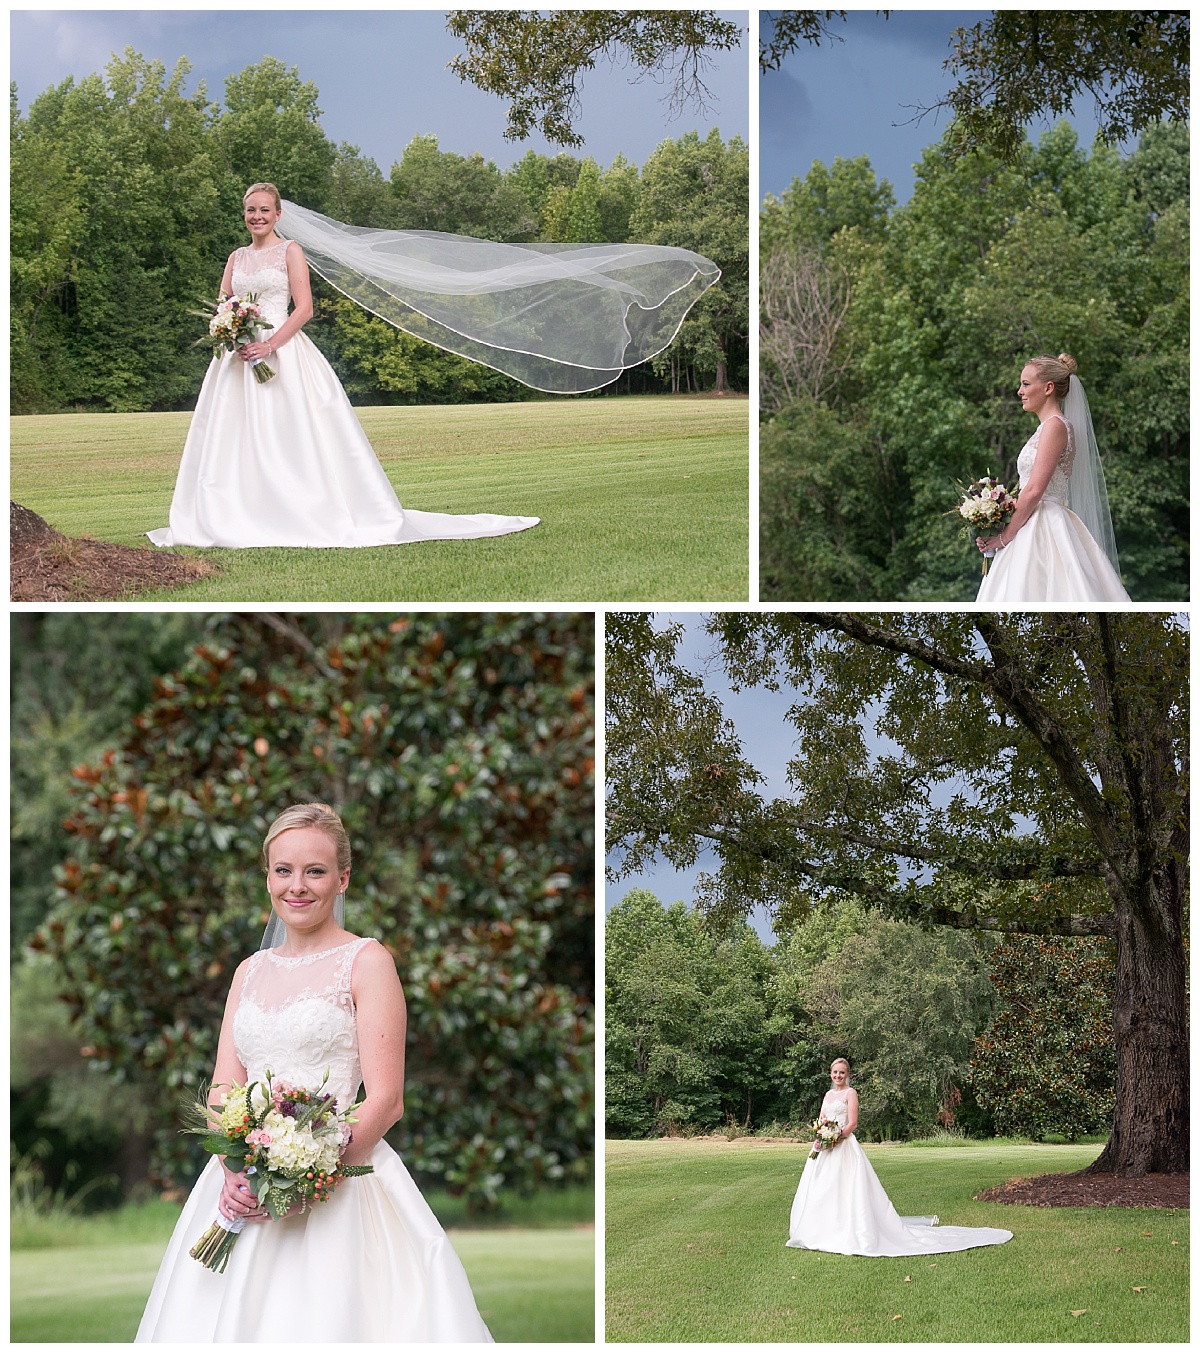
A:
(641, 499)
(695, 1252)
(86, 1279)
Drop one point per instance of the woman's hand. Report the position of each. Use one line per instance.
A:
(238, 1200)
(987, 543)
(255, 352)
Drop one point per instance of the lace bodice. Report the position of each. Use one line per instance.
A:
(1060, 479)
(264, 272)
(296, 1018)
(834, 1106)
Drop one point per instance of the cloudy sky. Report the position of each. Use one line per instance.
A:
(381, 75)
(860, 96)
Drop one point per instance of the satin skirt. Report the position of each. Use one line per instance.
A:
(1052, 558)
(287, 463)
(370, 1266)
(841, 1208)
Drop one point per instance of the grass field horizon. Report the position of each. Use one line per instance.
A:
(694, 1247)
(642, 498)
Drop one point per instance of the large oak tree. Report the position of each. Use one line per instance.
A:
(1019, 773)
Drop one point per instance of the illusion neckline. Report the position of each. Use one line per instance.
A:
(294, 960)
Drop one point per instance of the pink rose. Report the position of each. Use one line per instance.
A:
(258, 1137)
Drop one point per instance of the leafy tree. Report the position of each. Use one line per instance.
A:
(906, 1004)
(1046, 1063)
(271, 131)
(572, 215)
(74, 685)
(535, 60)
(1017, 66)
(458, 749)
(467, 195)
(1033, 781)
(694, 196)
(684, 1033)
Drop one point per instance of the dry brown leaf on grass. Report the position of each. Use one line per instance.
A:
(1079, 1313)
(1139, 1289)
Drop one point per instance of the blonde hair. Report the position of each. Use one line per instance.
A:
(840, 1061)
(318, 815)
(264, 188)
(1057, 369)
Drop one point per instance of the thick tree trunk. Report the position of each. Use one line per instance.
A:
(722, 386)
(1151, 1119)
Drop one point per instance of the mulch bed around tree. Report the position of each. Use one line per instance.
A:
(1091, 1190)
(47, 566)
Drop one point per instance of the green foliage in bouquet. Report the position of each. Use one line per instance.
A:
(458, 750)
(1047, 1063)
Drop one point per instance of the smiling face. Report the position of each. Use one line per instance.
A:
(839, 1075)
(260, 214)
(303, 878)
(1033, 390)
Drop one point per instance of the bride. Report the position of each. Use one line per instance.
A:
(841, 1207)
(371, 1265)
(1059, 545)
(287, 462)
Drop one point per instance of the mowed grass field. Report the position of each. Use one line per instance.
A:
(695, 1252)
(641, 499)
(87, 1282)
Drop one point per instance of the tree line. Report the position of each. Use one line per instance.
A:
(708, 1028)
(892, 339)
(126, 199)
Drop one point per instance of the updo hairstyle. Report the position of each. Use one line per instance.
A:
(1057, 369)
(264, 188)
(318, 815)
(840, 1061)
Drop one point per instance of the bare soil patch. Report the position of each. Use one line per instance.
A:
(1092, 1190)
(48, 566)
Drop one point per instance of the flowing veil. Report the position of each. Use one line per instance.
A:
(564, 318)
(1088, 496)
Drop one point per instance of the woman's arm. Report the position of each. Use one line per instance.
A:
(237, 1198)
(382, 1023)
(852, 1112)
(1051, 444)
(227, 276)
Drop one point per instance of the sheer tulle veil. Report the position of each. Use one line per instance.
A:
(1088, 496)
(564, 318)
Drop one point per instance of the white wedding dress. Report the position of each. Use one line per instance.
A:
(372, 1265)
(287, 462)
(1053, 557)
(840, 1207)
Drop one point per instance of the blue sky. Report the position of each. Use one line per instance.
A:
(381, 75)
(859, 97)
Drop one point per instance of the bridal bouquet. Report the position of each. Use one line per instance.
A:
(828, 1132)
(287, 1138)
(987, 507)
(236, 323)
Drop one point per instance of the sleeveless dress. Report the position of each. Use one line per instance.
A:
(1053, 557)
(372, 1265)
(287, 462)
(840, 1207)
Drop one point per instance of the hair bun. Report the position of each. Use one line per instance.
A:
(1068, 361)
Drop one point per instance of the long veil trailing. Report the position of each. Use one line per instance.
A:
(564, 318)
(1088, 496)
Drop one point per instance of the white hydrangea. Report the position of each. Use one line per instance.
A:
(295, 1150)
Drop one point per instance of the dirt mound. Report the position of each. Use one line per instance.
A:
(47, 566)
(1091, 1190)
